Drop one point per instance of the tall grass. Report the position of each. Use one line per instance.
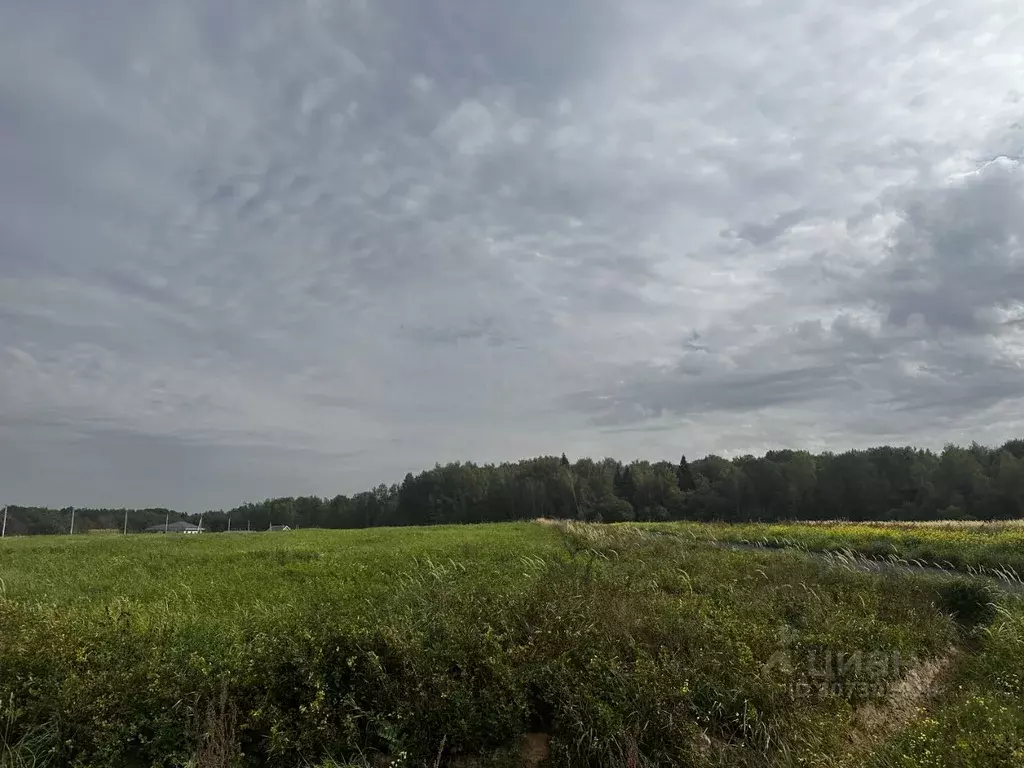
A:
(993, 548)
(431, 645)
(978, 719)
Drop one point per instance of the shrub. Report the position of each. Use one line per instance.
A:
(971, 602)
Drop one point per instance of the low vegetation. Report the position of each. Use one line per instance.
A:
(977, 719)
(607, 645)
(996, 548)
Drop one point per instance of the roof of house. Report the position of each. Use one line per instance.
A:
(177, 527)
(280, 528)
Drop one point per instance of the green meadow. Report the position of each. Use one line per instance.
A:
(996, 548)
(598, 645)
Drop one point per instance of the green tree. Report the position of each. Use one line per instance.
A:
(684, 475)
(613, 509)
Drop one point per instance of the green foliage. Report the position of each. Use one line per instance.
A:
(969, 602)
(884, 483)
(995, 549)
(978, 721)
(968, 731)
(54, 522)
(624, 646)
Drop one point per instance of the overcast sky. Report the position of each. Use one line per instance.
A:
(253, 247)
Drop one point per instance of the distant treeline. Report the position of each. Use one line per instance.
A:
(884, 483)
(42, 520)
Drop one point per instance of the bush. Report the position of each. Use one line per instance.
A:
(972, 603)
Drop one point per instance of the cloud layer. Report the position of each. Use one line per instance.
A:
(253, 248)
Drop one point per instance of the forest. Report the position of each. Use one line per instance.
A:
(883, 483)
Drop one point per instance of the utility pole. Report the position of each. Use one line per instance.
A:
(126, 522)
(72, 521)
(167, 521)
(3, 532)
(229, 523)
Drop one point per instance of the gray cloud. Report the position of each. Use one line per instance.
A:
(932, 330)
(764, 234)
(320, 244)
(958, 257)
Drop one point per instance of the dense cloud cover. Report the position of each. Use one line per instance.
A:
(260, 248)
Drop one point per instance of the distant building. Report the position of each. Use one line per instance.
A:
(279, 528)
(178, 527)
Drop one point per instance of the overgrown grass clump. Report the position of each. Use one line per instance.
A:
(993, 548)
(977, 721)
(283, 649)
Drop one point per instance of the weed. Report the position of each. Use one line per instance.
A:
(619, 644)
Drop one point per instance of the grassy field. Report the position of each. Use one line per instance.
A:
(612, 645)
(996, 547)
